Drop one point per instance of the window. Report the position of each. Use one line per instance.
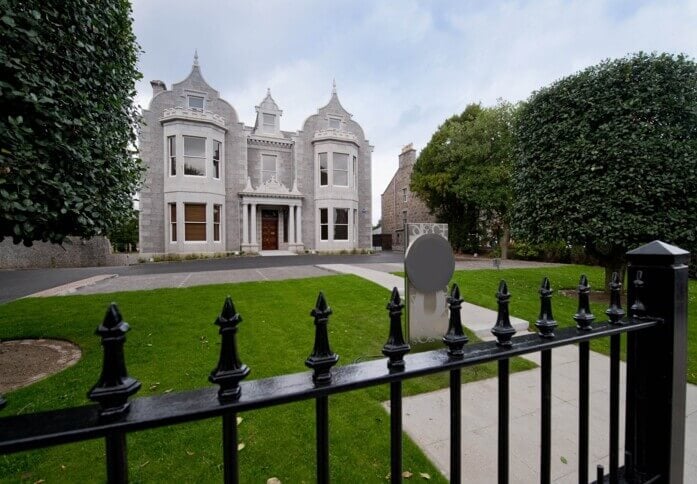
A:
(335, 123)
(268, 167)
(269, 123)
(195, 102)
(323, 170)
(341, 169)
(355, 225)
(194, 156)
(216, 222)
(323, 224)
(341, 219)
(404, 194)
(355, 177)
(195, 222)
(172, 222)
(172, 155)
(216, 158)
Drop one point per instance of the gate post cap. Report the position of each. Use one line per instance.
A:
(658, 252)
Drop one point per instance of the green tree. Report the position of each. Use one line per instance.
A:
(607, 157)
(464, 173)
(124, 237)
(67, 132)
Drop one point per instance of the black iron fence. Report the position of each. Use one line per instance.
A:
(656, 328)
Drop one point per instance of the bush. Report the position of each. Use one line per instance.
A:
(68, 124)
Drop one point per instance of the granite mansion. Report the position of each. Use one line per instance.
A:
(214, 184)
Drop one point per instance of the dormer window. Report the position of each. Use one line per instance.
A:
(335, 123)
(195, 102)
(269, 123)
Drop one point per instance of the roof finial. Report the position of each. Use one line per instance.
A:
(334, 85)
(268, 91)
(196, 57)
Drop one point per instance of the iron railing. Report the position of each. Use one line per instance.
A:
(656, 331)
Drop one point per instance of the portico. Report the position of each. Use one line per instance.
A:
(271, 218)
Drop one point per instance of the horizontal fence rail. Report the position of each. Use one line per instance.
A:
(656, 322)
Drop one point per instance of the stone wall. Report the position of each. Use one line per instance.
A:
(74, 252)
(395, 209)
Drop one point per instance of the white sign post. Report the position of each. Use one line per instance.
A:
(428, 265)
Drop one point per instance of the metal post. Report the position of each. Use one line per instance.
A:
(116, 462)
(656, 363)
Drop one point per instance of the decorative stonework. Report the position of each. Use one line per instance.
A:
(335, 134)
(192, 115)
(271, 187)
(263, 141)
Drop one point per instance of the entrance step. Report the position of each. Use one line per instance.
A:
(270, 253)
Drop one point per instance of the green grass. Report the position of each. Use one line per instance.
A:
(174, 345)
(479, 287)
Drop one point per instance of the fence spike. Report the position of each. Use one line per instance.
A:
(455, 339)
(503, 329)
(584, 317)
(322, 359)
(230, 370)
(3, 402)
(114, 385)
(637, 309)
(546, 323)
(615, 311)
(396, 347)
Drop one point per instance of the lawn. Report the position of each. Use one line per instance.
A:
(174, 345)
(478, 287)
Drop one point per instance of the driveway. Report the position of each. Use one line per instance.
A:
(15, 284)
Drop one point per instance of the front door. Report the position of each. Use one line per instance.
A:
(269, 230)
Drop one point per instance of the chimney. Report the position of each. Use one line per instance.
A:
(157, 87)
(408, 155)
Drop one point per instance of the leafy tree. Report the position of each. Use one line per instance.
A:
(68, 125)
(607, 157)
(124, 237)
(463, 174)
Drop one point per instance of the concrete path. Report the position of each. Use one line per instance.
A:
(426, 420)
(189, 279)
(476, 318)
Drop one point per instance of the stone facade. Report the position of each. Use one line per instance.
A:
(214, 184)
(399, 205)
(74, 252)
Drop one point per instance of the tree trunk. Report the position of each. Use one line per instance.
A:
(505, 241)
(616, 265)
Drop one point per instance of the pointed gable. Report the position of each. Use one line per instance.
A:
(268, 122)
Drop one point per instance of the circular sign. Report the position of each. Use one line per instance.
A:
(429, 263)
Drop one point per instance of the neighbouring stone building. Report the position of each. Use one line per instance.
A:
(214, 184)
(399, 205)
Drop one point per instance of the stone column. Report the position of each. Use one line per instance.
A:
(245, 223)
(253, 238)
(299, 239)
(291, 225)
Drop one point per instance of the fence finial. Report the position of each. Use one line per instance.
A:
(637, 309)
(322, 359)
(114, 385)
(396, 347)
(546, 323)
(230, 370)
(615, 311)
(584, 317)
(503, 329)
(455, 339)
(3, 402)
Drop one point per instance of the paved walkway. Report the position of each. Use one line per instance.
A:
(476, 318)
(426, 420)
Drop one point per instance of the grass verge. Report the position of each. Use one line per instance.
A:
(174, 345)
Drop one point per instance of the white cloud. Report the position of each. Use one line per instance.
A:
(402, 67)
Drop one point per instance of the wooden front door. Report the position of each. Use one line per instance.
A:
(269, 230)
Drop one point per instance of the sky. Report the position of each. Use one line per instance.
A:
(402, 66)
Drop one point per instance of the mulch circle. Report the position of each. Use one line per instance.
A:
(26, 361)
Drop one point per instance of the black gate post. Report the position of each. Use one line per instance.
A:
(657, 364)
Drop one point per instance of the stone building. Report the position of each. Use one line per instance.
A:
(214, 184)
(399, 205)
